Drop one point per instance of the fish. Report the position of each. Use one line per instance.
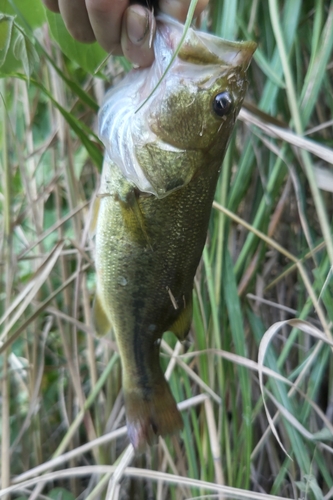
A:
(165, 139)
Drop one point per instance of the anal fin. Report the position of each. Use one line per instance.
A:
(182, 324)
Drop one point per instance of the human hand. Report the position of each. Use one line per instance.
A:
(120, 28)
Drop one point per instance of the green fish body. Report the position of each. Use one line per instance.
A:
(158, 182)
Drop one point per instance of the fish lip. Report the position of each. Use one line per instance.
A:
(231, 53)
(226, 52)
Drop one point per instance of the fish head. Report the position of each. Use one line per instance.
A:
(203, 91)
(198, 114)
(191, 114)
(181, 111)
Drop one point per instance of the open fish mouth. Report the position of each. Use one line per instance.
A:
(204, 48)
(126, 126)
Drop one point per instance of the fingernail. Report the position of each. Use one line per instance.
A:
(137, 24)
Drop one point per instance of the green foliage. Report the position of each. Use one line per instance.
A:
(30, 14)
(88, 57)
(60, 494)
(16, 49)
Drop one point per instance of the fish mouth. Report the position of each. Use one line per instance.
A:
(203, 48)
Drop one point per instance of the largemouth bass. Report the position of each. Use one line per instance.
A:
(159, 176)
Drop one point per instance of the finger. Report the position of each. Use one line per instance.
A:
(52, 5)
(138, 30)
(106, 19)
(179, 8)
(76, 18)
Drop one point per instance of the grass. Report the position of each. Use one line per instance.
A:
(254, 378)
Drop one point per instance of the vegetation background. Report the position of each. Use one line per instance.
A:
(255, 377)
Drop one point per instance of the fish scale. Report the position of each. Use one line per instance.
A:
(149, 241)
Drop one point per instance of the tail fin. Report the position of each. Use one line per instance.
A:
(151, 416)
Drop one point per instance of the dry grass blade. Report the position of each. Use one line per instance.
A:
(296, 424)
(235, 493)
(31, 290)
(241, 361)
(124, 462)
(40, 308)
(324, 178)
(61, 459)
(191, 373)
(288, 136)
(34, 397)
(53, 228)
(264, 344)
(214, 440)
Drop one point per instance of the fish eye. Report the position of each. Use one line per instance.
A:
(222, 104)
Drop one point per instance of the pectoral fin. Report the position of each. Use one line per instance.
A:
(100, 319)
(182, 324)
(134, 204)
(132, 214)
